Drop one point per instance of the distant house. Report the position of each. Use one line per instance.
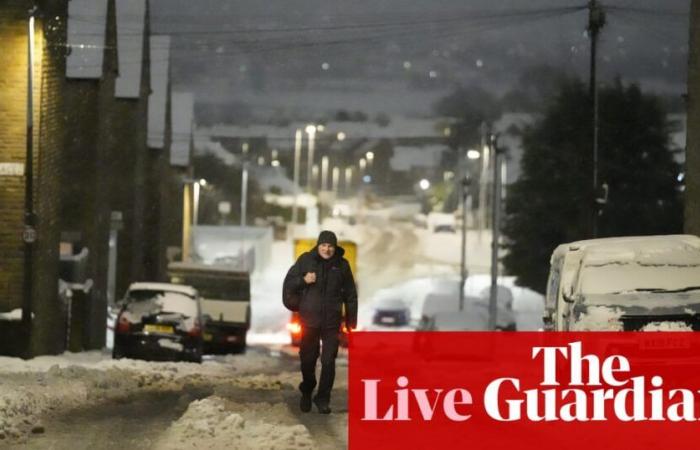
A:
(425, 158)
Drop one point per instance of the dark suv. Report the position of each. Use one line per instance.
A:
(160, 322)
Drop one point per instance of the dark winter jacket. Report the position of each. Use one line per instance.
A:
(322, 302)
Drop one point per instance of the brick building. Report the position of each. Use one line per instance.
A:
(92, 163)
(47, 326)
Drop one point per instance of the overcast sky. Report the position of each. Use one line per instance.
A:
(248, 48)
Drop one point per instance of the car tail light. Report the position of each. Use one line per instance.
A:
(123, 325)
(196, 330)
(294, 327)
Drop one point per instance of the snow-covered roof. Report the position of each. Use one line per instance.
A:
(203, 145)
(182, 110)
(268, 177)
(406, 158)
(398, 128)
(630, 245)
(158, 100)
(87, 23)
(167, 287)
(131, 17)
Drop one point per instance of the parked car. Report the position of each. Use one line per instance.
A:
(633, 284)
(444, 228)
(390, 314)
(159, 321)
(441, 312)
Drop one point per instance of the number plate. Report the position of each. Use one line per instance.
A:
(665, 341)
(388, 319)
(165, 329)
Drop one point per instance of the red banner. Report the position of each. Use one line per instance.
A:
(539, 391)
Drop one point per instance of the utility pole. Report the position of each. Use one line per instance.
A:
(596, 21)
(692, 164)
(496, 231)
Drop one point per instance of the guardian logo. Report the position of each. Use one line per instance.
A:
(601, 387)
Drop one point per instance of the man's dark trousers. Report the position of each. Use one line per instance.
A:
(309, 350)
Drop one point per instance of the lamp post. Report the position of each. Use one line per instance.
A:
(463, 261)
(297, 162)
(311, 131)
(314, 174)
(186, 219)
(29, 233)
(244, 206)
(324, 173)
(190, 212)
(348, 179)
(336, 178)
(496, 229)
(370, 159)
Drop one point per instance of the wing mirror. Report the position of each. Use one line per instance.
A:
(569, 296)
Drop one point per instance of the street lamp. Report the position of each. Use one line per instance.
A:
(336, 178)
(311, 131)
(324, 173)
(341, 136)
(297, 163)
(473, 154)
(29, 234)
(424, 184)
(314, 174)
(348, 179)
(463, 261)
(363, 166)
(370, 159)
(190, 211)
(195, 211)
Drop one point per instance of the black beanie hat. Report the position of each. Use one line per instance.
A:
(327, 237)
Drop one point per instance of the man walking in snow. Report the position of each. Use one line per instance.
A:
(323, 280)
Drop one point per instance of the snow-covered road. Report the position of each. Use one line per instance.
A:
(88, 401)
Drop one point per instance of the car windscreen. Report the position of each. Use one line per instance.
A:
(634, 277)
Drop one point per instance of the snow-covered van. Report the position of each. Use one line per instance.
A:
(631, 283)
(225, 303)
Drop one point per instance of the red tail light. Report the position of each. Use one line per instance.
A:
(196, 330)
(123, 325)
(294, 327)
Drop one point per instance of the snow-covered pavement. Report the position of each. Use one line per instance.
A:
(87, 400)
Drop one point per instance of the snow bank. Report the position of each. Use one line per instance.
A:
(667, 326)
(30, 389)
(217, 423)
